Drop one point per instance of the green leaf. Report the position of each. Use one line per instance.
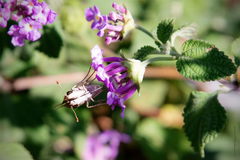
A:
(165, 30)
(204, 118)
(51, 42)
(237, 61)
(143, 52)
(13, 151)
(203, 62)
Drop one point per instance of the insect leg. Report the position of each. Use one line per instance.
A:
(96, 105)
(87, 104)
(77, 120)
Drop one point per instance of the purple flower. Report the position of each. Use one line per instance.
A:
(30, 15)
(115, 77)
(27, 29)
(115, 26)
(4, 13)
(104, 146)
(99, 21)
(30, 29)
(42, 14)
(17, 38)
(51, 17)
(25, 8)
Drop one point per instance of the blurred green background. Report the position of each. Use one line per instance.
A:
(153, 118)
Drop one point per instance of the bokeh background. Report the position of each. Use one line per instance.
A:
(29, 93)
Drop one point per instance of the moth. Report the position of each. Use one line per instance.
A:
(82, 93)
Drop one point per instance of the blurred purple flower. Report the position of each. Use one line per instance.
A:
(30, 29)
(17, 38)
(230, 100)
(4, 13)
(228, 92)
(115, 26)
(42, 14)
(104, 146)
(25, 8)
(31, 15)
(115, 77)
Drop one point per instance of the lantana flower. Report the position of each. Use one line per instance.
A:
(115, 26)
(30, 16)
(104, 146)
(121, 76)
(4, 13)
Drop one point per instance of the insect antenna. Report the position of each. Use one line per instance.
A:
(86, 78)
(75, 114)
(93, 78)
(90, 76)
(89, 69)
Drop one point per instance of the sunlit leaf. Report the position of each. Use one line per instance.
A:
(203, 62)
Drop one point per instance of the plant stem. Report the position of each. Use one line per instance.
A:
(148, 33)
(148, 61)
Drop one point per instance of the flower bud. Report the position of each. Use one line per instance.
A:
(136, 70)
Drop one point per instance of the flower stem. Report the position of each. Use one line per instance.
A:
(148, 33)
(148, 61)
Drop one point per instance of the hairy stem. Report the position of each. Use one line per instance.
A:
(148, 61)
(148, 33)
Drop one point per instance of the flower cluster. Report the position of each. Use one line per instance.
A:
(118, 77)
(104, 146)
(114, 26)
(31, 15)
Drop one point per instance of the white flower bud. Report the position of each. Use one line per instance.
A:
(136, 70)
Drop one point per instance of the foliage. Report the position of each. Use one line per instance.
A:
(204, 118)
(10, 151)
(29, 117)
(51, 42)
(143, 52)
(165, 30)
(204, 62)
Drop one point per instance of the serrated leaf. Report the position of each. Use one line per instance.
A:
(201, 61)
(13, 151)
(143, 52)
(51, 42)
(165, 30)
(204, 118)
